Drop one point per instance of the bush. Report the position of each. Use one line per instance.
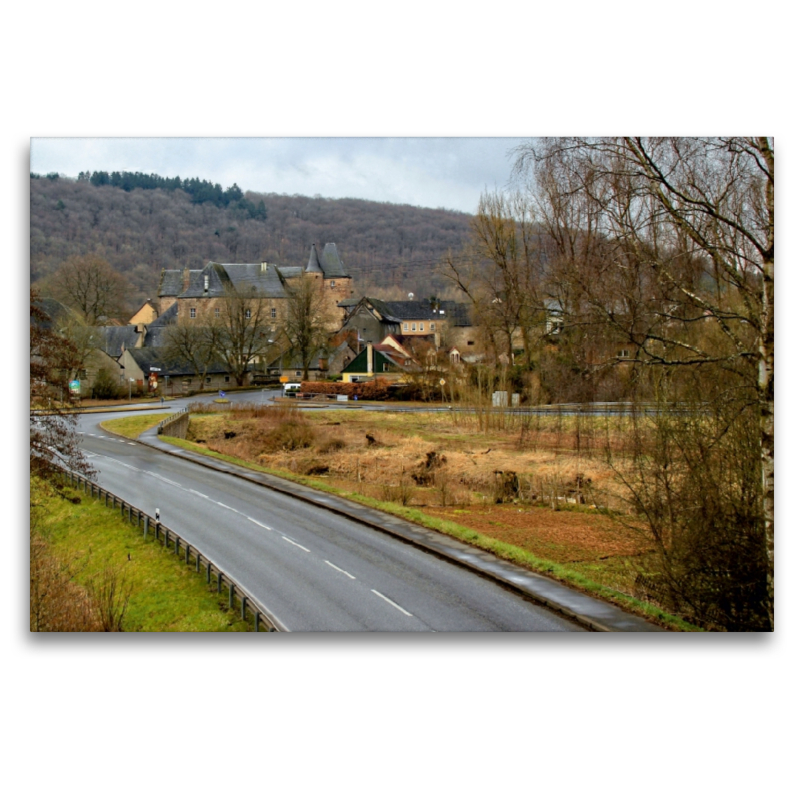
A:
(105, 387)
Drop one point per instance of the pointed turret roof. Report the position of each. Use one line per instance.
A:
(313, 261)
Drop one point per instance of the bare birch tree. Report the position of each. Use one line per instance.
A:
(661, 238)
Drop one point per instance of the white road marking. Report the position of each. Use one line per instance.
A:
(199, 494)
(295, 544)
(340, 570)
(224, 506)
(259, 523)
(392, 603)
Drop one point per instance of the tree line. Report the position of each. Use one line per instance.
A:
(143, 229)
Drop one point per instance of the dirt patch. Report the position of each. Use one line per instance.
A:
(555, 535)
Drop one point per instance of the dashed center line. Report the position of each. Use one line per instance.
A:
(344, 572)
(291, 541)
(392, 603)
(199, 494)
(224, 506)
(256, 522)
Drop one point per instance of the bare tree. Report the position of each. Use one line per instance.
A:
(308, 319)
(54, 441)
(670, 242)
(502, 271)
(243, 331)
(197, 342)
(89, 285)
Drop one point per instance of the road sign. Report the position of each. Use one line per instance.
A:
(283, 379)
(442, 382)
(221, 393)
(75, 387)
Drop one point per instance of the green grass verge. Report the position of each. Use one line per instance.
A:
(166, 595)
(131, 427)
(512, 553)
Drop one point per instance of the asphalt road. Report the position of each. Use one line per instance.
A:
(314, 570)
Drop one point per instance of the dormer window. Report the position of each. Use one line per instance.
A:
(422, 326)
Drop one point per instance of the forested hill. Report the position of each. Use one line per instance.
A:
(142, 230)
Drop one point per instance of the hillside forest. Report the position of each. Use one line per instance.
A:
(141, 224)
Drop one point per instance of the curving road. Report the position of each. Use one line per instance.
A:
(314, 570)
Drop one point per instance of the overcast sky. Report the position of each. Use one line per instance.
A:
(433, 172)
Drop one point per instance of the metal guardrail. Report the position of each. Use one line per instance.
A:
(237, 597)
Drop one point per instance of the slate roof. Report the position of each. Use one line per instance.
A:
(147, 357)
(402, 310)
(113, 337)
(156, 331)
(331, 263)
(171, 283)
(53, 308)
(265, 280)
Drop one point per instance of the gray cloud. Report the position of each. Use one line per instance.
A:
(433, 172)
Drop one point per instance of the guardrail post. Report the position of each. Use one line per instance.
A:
(187, 553)
(198, 563)
(219, 583)
(208, 572)
(244, 607)
(230, 593)
(177, 544)
(258, 620)
(146, 526)
(166, 537)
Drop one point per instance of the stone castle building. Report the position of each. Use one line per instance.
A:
(201, 294)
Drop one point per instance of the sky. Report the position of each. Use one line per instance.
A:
(435, 172)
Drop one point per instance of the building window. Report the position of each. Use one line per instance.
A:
(422, 326)
(273, 312)
(247, 313)
(433, 326)
(624, 354)
(298, 373)
(413, 326)
(470, 343)
(385, 367)
(405, 326)
(227, 379)
(455, 357)
(208, 379)
(216, 312)
(192, 312)
(333, 283)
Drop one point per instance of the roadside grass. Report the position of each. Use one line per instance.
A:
(165, 595)
(131, 427)
(516, 555)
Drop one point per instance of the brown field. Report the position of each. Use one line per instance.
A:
(542, 489)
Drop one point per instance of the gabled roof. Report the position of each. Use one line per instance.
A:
(113, 338)
(148, 357)
(395, 311)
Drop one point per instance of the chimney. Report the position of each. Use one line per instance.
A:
(369, 358)
(186, 278)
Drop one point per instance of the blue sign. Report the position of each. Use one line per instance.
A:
(221, 393)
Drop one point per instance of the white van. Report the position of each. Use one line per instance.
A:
(290, 389)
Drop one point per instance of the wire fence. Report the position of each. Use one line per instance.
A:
(238, 599)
